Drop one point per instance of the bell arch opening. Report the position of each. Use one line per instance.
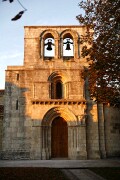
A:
(68, 46)
(49, 47)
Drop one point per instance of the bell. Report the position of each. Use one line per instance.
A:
(68, 46)
(49, 48)
(49, 45)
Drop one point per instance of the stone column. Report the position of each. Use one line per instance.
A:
(43, 143)
(75, 48)
(89, 131)
(41, 47)
(46, 142)
(56, 49)
(70, 142)
(101, 131)
(61, 48)
(79, 46)
(106, 109)
(81, 142)
(92, 137)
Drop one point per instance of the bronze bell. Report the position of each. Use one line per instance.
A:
(49, 45)
(68, 46)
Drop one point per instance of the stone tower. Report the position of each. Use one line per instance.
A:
(1, 117)
(48, 112)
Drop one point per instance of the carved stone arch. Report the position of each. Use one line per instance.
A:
(55, 112)
(45, 33)
(49, 33)
(58, 74)
(73, 33)
(74, 36)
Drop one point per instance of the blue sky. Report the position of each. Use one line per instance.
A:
(39, 12)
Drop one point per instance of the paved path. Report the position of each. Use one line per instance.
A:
(81, 174)
(73, 169)
(61, 163)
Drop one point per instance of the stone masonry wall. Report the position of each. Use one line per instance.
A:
(94, 131)
(112, 131)
(1, 117)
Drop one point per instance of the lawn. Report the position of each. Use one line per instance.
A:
(31, 173)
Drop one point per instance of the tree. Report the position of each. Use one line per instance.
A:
(102, 19)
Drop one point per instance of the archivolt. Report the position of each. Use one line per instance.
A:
(73, 33)
(58, 75)
(65, 113)
(49, 33)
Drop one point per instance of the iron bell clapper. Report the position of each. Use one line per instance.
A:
(49, 45)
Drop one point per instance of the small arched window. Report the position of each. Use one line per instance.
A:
(57, 90)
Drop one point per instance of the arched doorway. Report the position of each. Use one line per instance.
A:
(59, 138)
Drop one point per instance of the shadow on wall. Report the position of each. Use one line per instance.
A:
(24, 138)
(16, 123)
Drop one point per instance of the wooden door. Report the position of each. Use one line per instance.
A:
(59, 138)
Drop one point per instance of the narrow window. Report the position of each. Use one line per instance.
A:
(16, 104)
(17, 77)
(58, 90)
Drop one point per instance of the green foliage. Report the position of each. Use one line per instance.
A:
(102, 19)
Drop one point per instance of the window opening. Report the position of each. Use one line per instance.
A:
(58, 90)
(16, 104)
(17, 77)
(49, 48)
(68, 47)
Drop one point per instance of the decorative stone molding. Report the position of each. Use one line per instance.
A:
(81, 119)
(58, 102)
(65, 113)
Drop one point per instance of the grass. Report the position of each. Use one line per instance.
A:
(31, 173)
(109, 173)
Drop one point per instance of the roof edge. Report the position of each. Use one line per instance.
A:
(54, 26)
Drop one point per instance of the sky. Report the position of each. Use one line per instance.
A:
(39, 12)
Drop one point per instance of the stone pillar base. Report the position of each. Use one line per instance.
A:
(93, 155)
(103, 154)
(81, 155)
(43, 155)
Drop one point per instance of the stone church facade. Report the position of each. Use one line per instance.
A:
(47, 111)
